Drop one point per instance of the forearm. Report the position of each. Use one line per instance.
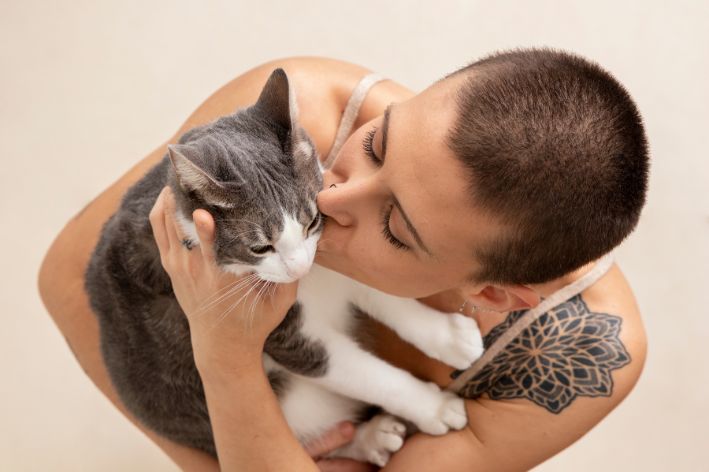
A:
(249, 429)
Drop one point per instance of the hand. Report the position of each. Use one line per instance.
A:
(337, 437)
(225, 312)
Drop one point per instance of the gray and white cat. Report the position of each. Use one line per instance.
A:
(257, 173)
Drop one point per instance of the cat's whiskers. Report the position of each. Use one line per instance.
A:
(227, 311)
(236, 282)
(254, 304)
(231, 289)
(250, 312)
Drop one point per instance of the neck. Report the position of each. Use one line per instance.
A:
(548, 288)
(451, 300)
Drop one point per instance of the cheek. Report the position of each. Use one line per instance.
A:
(361, 257)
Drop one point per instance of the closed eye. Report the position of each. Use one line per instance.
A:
(368, 146)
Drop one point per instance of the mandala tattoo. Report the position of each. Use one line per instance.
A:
(567, 352)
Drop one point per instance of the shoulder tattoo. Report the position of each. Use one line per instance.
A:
(567, 352)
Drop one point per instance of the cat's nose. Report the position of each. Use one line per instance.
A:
(298, 263)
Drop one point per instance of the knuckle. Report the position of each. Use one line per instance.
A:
(152, 216)
(164, 261)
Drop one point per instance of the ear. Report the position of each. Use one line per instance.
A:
(192, 178)
(505, 298)
(277, 100)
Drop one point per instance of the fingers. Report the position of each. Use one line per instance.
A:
(204, 223)
(345, 465)
(174, 238)
(331, 440)
(157, 223)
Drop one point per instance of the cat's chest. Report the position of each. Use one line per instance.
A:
(325, 297)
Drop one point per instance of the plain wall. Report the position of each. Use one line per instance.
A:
(88, 88)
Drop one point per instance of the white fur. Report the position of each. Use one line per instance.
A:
(189, 230)
(355, 377)
(294, 254)
(306, 148)
(292, 104)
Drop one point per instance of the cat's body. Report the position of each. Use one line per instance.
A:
(258, 165)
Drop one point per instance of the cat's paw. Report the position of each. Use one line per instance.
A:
(380, 437)
(448, 413)
(460, 345)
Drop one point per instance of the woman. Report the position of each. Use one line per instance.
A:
(544, 387)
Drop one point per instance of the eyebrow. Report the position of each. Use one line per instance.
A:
(409, 226)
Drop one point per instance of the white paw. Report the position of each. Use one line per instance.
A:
(381, 436)
(449, 413)
(460, 344)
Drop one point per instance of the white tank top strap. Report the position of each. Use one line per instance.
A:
(349, 116)
(556, 298)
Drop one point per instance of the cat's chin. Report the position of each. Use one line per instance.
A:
(278, 279)
(240, 270)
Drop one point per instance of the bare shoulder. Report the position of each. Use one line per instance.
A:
(592, 345)
(552, 384)
(612, 297)
(323, 87)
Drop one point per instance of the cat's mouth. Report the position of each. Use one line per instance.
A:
(279, 279)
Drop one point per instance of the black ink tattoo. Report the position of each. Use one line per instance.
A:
(567, 352)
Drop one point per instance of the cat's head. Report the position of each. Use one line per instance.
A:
(258, 174)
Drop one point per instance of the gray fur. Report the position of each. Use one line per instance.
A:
(294, 351)
(243, 168)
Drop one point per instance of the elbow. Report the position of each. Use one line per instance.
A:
(45, 277)
(56, 278)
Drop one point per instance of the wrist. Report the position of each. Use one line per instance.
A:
(235, 362)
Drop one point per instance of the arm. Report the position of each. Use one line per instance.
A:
(451, 338)
(249, 429)
(517, 425)
(61, 275)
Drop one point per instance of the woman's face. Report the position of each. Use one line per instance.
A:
(396, 168)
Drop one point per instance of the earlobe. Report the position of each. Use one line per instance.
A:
(525, 296)
(505, 298)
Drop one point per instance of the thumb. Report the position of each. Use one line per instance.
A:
(204, 223)
(331, 440)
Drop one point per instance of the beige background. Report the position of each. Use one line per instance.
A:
(87, 88)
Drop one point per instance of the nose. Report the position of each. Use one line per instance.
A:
(298, 263)
(341, 201)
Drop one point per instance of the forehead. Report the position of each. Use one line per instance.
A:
(429, 181)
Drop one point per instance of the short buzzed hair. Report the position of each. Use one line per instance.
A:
(557, 153)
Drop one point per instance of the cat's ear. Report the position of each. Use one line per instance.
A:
(277, 100)
(192, 178)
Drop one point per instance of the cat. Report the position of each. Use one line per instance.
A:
(257, 172)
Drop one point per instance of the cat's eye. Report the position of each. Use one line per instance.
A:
(261, 249)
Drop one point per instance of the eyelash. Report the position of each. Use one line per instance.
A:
(387, 234)
(367, 145)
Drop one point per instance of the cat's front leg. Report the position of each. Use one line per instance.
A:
(375, 440)
(359, 374)
(451, 338)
